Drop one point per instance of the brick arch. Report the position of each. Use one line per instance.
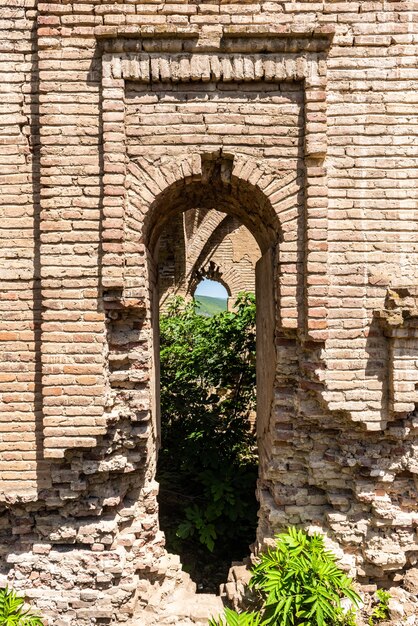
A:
(211, 221)
(218, 184)
(218, 277)
(268, 203)
(231, 275)
(176, 183)
(229, 279)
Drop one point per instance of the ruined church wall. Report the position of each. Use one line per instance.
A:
(78, 480)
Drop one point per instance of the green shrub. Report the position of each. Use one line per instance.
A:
(12, 611)
(207, 467)
(381, 611)
(232, 618)
(300, 584)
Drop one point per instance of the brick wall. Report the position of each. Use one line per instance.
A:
(20, 410)
(298, 119)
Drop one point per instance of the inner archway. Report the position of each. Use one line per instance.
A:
(238, 198)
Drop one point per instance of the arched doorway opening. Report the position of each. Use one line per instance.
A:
(207, 466)
(218, 190)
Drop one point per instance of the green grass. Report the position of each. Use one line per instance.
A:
(209, 306)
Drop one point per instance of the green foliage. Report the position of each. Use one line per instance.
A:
(208, 467)
(232, 618)
(381, 611)
(12, 611)
(347, 618)
(301, 582)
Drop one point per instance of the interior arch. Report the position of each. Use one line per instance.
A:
(237, 197)
(210, 271)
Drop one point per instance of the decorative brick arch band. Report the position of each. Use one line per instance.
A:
(224, 183)
(220, 181)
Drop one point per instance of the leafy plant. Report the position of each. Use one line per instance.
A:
(207, 466)
(347, 618)
(381, 611)
(301, 582)
(13, 612)
(232, 618)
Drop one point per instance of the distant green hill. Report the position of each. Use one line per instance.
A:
(209, 306)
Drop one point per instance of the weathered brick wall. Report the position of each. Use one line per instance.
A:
(20, 410)
(300, 120)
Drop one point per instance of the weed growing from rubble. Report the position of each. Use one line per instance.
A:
(381, 611)
(232, 618)
(299, 584)
(13, 612)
